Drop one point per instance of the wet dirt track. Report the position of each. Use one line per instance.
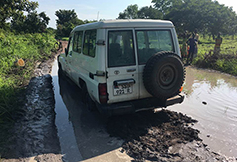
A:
(83, 135)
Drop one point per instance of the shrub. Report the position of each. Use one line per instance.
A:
(31, 48)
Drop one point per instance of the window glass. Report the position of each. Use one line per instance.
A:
(70, 45)
(89, 44)
(77, 41)
(121, 49)
(151, 42)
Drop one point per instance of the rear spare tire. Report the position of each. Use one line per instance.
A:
(164, 75)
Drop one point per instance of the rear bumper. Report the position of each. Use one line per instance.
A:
(138, 105)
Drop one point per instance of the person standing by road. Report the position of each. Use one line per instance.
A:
(192, 45)
(197, 38)
(217, 47)
(184, 51)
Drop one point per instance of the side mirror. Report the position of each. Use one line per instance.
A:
(66, 51)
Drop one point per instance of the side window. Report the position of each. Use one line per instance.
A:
(121, 49)
(69, 46)
(77, 42)
(89, 45)
(151, 42)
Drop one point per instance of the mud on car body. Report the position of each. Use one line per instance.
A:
(124, 66)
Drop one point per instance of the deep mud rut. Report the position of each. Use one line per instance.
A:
(148, 136)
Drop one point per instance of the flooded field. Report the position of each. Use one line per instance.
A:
(212, 100)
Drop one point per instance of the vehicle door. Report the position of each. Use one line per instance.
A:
(122, 69)
(150, 42)
(76, 55)
(68, 56)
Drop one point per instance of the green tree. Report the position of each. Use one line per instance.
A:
(132, 12)
(8, 8)
(129, 13)
(149, 13)
(67, 20)
(165, 6)
(31, 23)
(205, 15)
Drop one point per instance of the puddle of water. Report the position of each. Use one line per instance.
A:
(212, 100)
(65, 130)
(82, 133)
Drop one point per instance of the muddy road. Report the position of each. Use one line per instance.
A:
(56, 126)
(210, 99)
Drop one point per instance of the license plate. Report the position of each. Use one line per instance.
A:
(122, 89)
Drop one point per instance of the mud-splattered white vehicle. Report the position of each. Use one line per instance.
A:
(124, 66)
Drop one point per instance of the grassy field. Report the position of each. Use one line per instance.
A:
(225, 62)
(31, 48)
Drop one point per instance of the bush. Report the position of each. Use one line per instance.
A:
(226, 61)
(31, 48)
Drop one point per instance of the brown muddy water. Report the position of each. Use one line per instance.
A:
(211, 98)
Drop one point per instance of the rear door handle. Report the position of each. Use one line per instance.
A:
(131, 70)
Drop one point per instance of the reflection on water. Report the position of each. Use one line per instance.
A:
(65, 130)
(212, 100)
(82, 133)
(83, 136)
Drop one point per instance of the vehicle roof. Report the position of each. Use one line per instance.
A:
(128, 23)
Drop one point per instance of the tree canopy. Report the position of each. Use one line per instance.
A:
(23, 16)
(129, 13)
(206, 16)
(132, 12)
(67, 20)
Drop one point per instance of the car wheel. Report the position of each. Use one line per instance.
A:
(164, 75)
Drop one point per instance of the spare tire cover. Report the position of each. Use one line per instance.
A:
(163, 75)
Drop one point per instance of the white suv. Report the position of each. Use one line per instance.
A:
(124, 66)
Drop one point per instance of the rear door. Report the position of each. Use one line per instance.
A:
(150, 42)
(122, 69)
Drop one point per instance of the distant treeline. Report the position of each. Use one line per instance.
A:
(206, 16)
(20, 17)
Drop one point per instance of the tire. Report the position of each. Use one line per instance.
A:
(86, 99)
(164, 75)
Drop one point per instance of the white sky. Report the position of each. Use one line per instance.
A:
(107, 9)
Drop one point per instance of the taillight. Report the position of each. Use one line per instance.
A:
(180, 90)
(103, 95)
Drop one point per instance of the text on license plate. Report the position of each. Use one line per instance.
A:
(122, 89)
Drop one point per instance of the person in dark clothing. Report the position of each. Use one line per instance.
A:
(192, 45)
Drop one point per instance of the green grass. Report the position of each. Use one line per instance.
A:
(228, 46)
(31, 48)
(225, 62)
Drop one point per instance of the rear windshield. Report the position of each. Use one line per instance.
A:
(121, 48)
(149, 42)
